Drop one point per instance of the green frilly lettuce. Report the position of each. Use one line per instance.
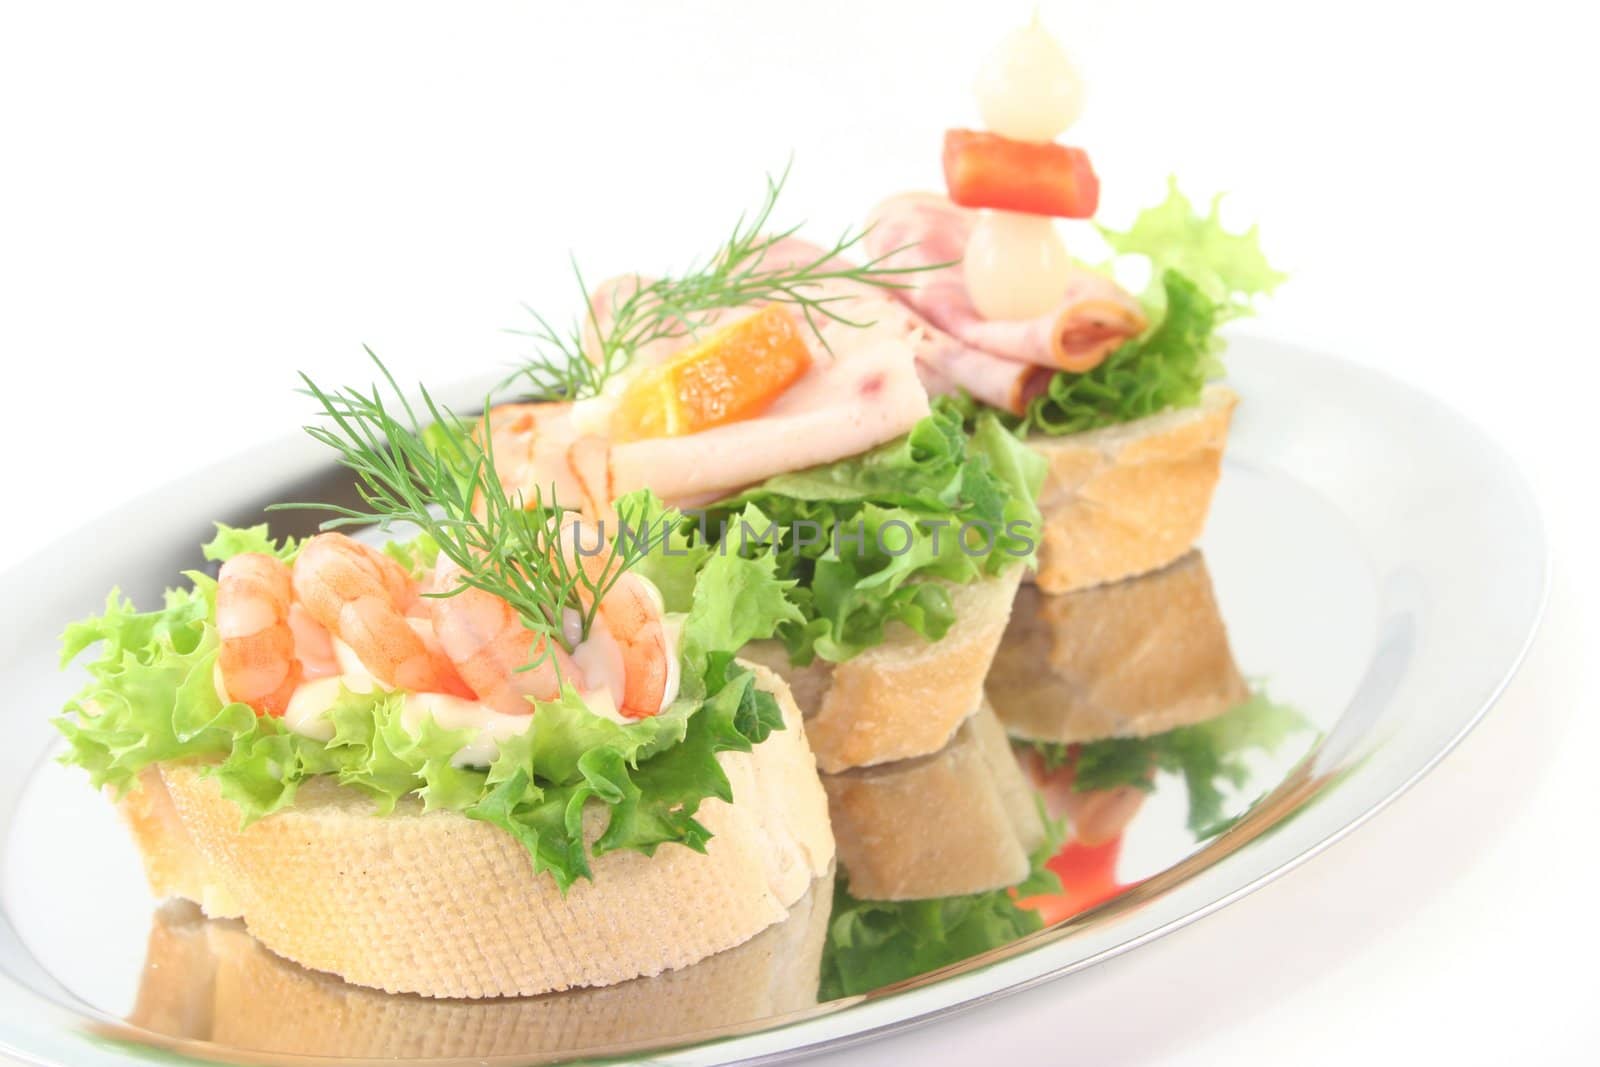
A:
(1201, 277)
(151, 698)
(232, 541)
(861, 536)
(1229, 269)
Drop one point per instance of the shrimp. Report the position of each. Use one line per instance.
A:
(632, 612)
(363, 597)
(256, 659)
(486, 641)
(530, 445)
(626, 652)
(313, 644)
(634, 619)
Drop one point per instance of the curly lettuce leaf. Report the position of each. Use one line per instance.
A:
(1201, 277)
(232, 541)
(861, 537)
(1229, 269)
(151, 698)
(652, 774)
(418, 555)
(738, 599)
(728, 590)
(678, 553)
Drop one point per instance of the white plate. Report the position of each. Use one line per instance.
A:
(1378, 561)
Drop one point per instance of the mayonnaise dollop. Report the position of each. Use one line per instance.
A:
(308, 708)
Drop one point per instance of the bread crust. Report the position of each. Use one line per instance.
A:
(907, 696)
(1128, 499)
(963, 820)
(1136, 658)
(173, 867)
(444, 906)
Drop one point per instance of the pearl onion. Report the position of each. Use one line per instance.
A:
(1027, 88)
(1016, 266)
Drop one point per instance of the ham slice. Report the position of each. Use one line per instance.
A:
(847, 403)
(862, 389)
(609, 294)
(946, 365)
(921, 229)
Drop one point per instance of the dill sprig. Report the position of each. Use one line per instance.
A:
(440, 477)
(575, 362)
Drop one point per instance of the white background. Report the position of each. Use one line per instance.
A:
(198, 201)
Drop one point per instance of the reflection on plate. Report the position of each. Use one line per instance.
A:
(1375, 627)
(962, 820)
(1134, 658)
(1108, 694)
(209, 980)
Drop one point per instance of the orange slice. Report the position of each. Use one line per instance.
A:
(735, 373)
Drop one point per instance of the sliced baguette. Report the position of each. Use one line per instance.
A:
(1140, 657)
(173, 865)
(209, 980)
(960, 821)
(445, 906)
(1125, 500)
(905, 697)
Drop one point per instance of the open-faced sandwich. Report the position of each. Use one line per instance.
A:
(773, 394)
(505, 754)
(1111, 388)
(546, 709)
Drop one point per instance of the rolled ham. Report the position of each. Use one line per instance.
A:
(918, 230)
(1000, 383)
